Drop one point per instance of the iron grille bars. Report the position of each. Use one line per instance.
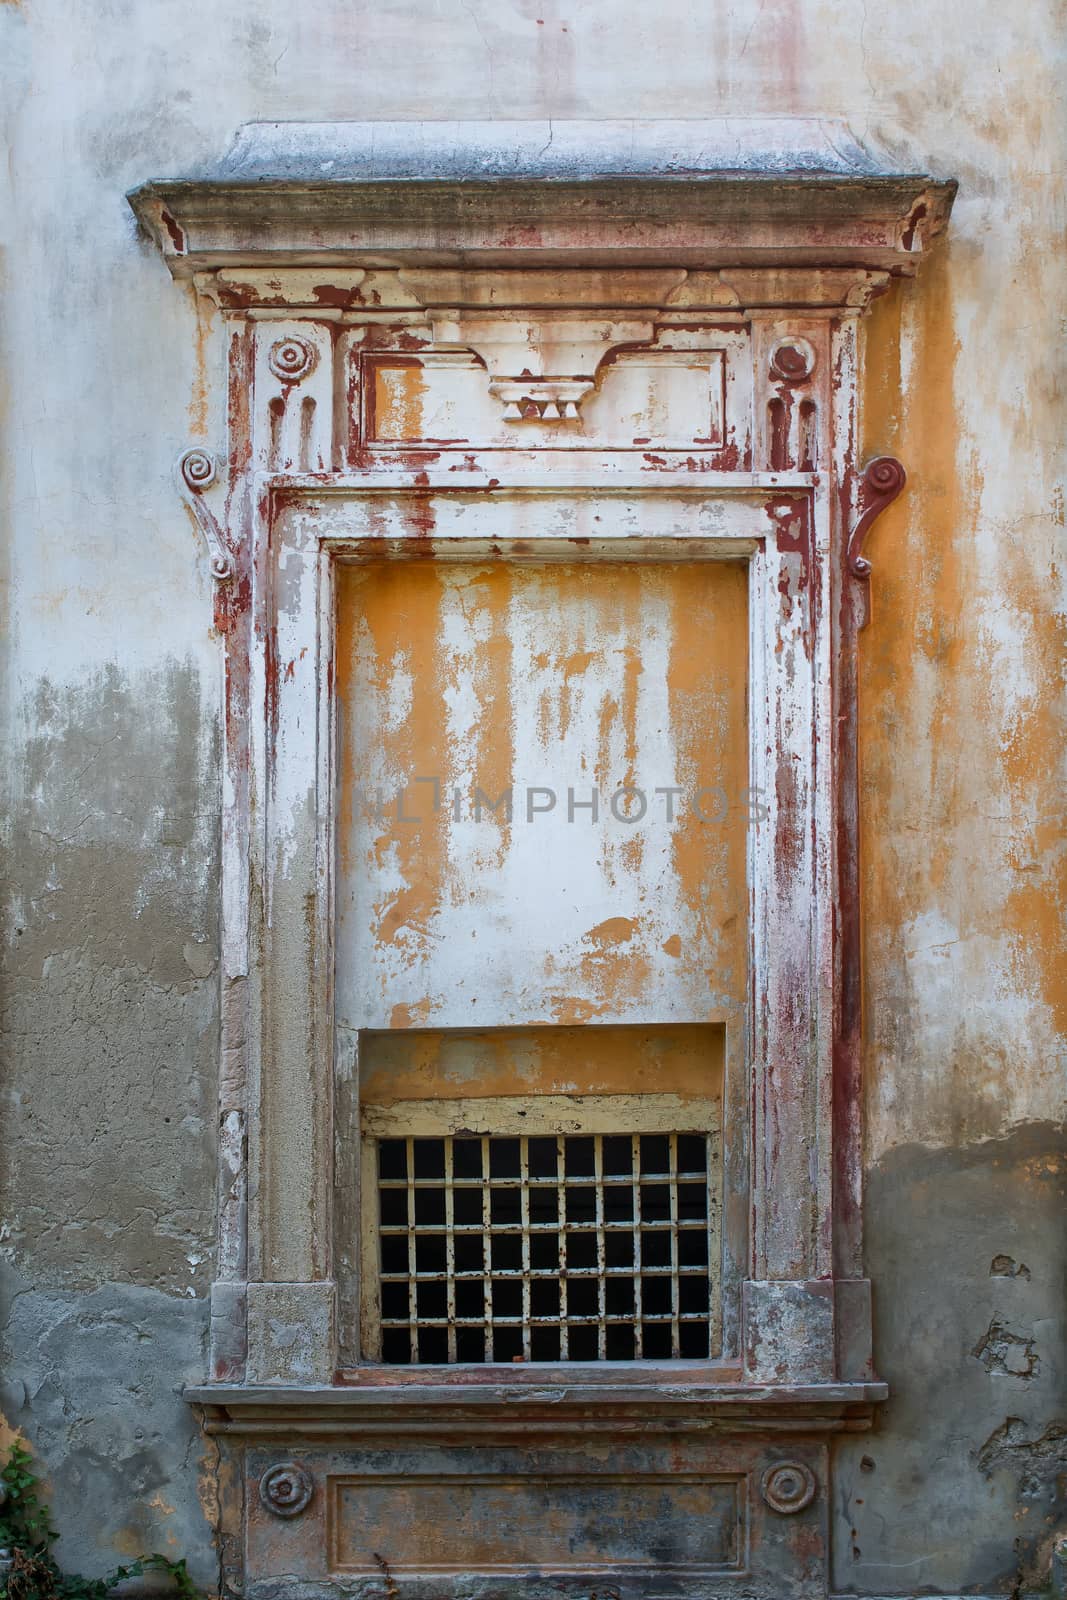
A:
(546, 1247)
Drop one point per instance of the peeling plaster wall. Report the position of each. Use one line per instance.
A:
(545, 682)
(111, 716)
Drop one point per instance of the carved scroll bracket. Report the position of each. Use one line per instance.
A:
(194, 472)
(881, 482)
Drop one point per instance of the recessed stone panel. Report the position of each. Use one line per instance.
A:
(508, 1524)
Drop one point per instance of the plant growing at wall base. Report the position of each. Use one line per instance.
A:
(27, 1532)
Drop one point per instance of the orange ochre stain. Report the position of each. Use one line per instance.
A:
(617, 968)
(555, 708)
(943, 748)
(488, 596)
(571, 1011)
(707, 688)
(684, 1059)
(390, 672)
(396, 401)
(410, 1016)
(615, 931)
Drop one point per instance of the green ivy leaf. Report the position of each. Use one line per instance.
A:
(27, 1527)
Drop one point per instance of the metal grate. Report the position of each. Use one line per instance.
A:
(570, 1247)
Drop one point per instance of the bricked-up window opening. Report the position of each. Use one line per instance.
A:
(566, 1247)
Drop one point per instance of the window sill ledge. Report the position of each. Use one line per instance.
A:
(631, 1403)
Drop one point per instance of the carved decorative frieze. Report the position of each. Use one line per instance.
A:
(541, 399)
(540, 368)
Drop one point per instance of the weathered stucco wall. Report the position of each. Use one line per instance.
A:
(112, 712)
(549, 681)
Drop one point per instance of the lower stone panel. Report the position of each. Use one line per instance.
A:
(671, 1517)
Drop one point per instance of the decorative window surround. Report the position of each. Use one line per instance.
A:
(519, 267)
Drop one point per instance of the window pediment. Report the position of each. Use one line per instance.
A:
(690, 194)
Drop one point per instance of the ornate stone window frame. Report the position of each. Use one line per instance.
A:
(772, 239)
(768, 519)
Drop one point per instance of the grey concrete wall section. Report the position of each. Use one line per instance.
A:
(93, 1381)
(110, 999)
(962, 1486)
(110, 1022)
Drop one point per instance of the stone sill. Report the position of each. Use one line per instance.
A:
(498, 1400)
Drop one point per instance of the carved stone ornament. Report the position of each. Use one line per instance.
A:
(792, 361)
(196, 471)
(541, 399)
(286, 1489)
(788, 1487)
(291, 359)
(540, 367)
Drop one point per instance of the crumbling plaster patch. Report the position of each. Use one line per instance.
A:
(112, 1031)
